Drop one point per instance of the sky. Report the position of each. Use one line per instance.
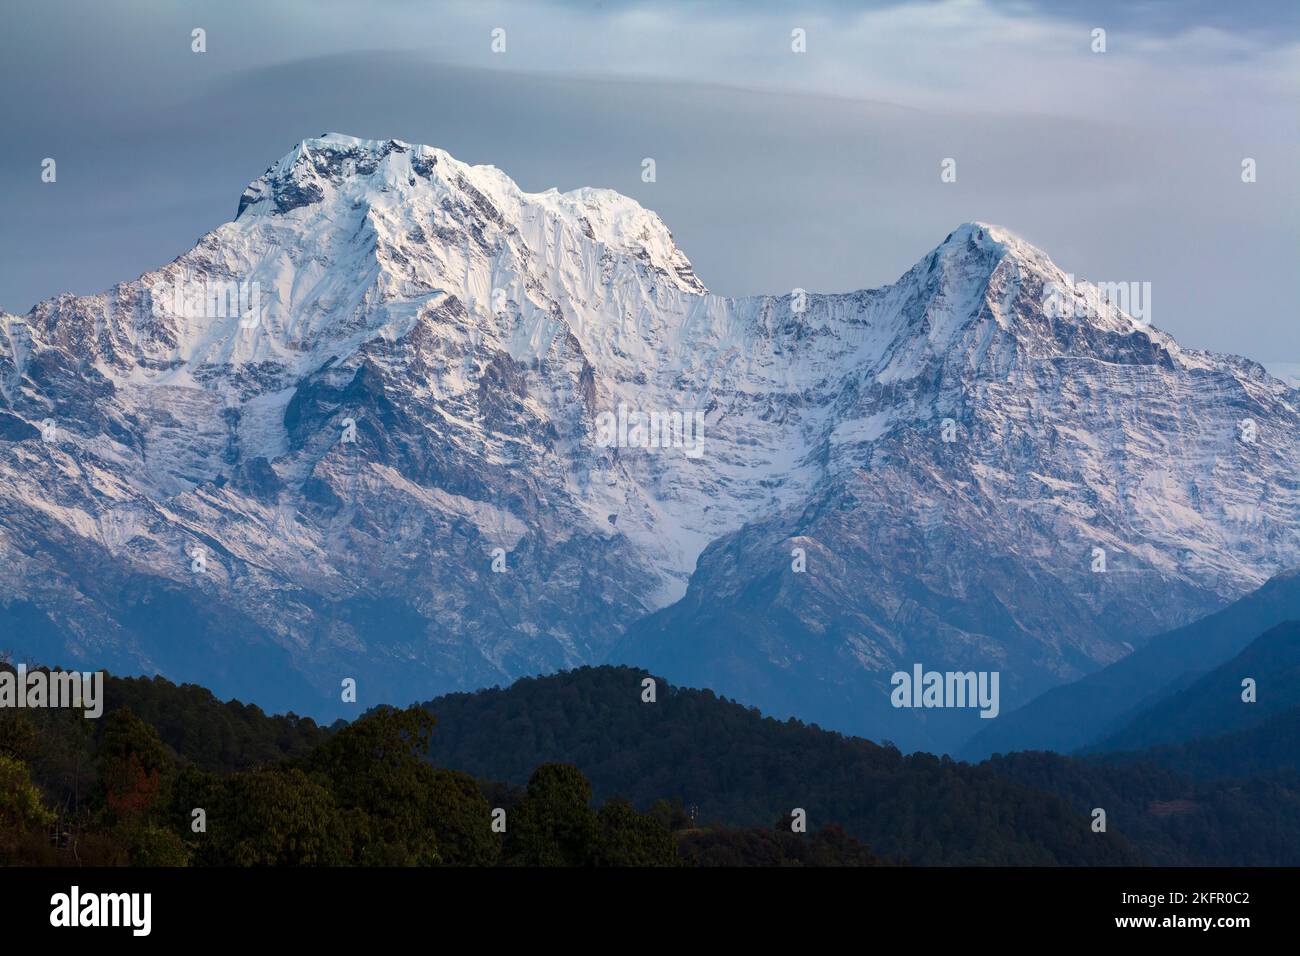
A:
(774, 169)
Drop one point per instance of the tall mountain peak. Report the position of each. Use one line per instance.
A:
(393, 175)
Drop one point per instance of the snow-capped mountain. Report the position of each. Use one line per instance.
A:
(384, 425)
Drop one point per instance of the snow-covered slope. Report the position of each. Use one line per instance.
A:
(1288, 372)
(418, 367)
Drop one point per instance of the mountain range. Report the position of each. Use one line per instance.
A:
(392, 424)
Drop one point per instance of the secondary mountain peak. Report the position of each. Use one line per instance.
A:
(1025, 290)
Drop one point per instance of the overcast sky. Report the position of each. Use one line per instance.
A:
(775, 169)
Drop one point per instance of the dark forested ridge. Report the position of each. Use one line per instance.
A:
(584, 773)
(1271, 747)
(736, 766)
(170, 776)
(1171, 818)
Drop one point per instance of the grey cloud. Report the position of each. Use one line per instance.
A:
(764, 191)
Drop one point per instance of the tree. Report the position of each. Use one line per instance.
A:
(20, 801)
(629, 838)
(554, 824)
(277, 817)
(133, 765)
(461, 820)
(150, 845)
(18, 735)
(376, 765)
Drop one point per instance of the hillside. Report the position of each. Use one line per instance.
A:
(1213, 705)
(129, 788)
(1082, 713)
(736, 766)
(690, 778)
(1271, 747)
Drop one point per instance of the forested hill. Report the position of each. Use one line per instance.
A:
(710, 782)
(735, 766)
(170, 776)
